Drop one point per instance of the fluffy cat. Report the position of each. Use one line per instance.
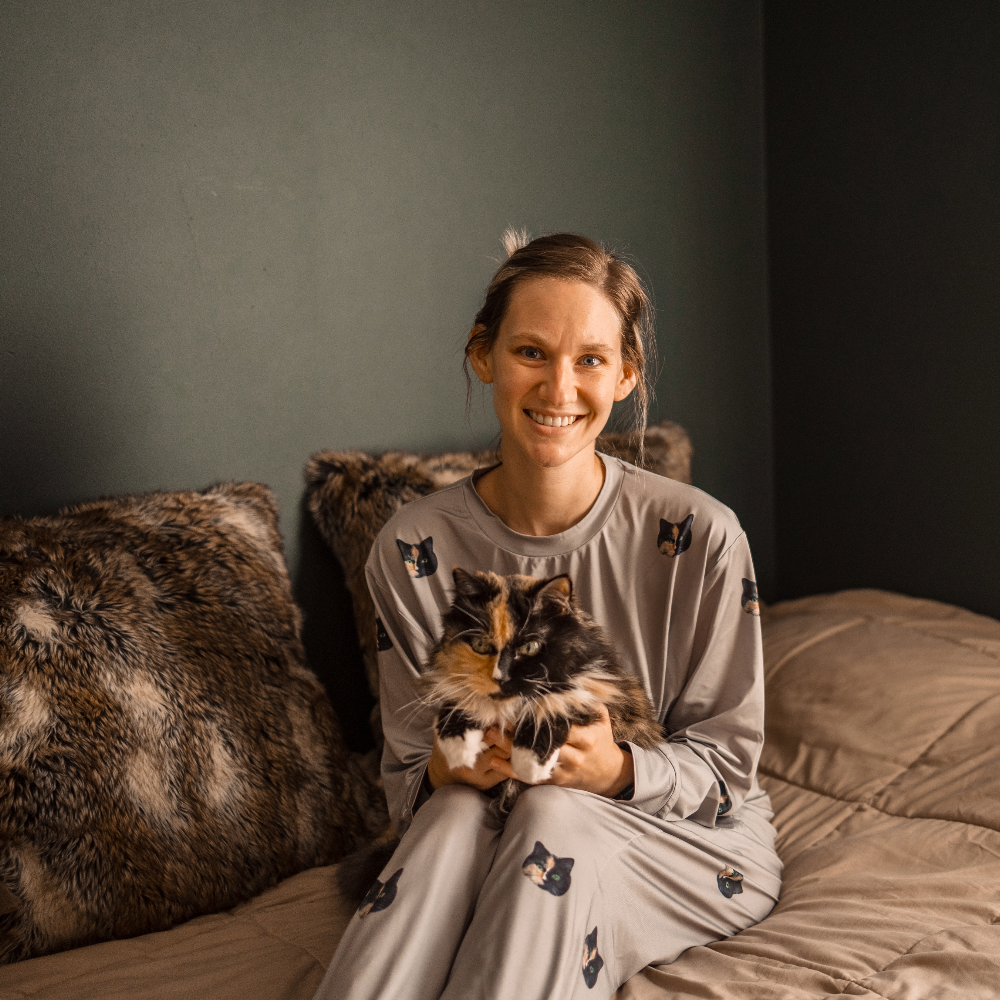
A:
(519, 652)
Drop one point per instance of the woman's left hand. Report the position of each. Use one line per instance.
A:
(592, 761)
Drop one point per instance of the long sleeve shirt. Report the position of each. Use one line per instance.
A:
(662, 566)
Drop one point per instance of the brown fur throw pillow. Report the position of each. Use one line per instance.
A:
(164, 750)
(351, 495)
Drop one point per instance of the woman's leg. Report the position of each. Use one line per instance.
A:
(584, 892)
(402, 947)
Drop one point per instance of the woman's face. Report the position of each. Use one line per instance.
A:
(556, 368)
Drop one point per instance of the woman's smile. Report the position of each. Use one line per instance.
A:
(553, 420)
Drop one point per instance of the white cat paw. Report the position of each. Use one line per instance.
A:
(462, 751)
(528, 767)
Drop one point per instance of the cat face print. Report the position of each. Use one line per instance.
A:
(674, 538)
(730, 881)
(382, 640)
(592, 961)
(750, 601)
(547, 871)
(380, 895)
(418, 558)
(725, 802)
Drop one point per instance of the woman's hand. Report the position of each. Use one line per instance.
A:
(491, 767)
(592, 761)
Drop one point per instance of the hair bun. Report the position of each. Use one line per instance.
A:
(514, 239)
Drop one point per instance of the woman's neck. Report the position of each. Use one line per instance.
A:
(532, 500)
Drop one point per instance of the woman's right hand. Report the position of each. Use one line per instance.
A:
(492, 765)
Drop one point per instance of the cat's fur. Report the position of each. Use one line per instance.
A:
(537, 700)
(520, 653)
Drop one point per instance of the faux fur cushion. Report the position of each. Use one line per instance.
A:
(351, 495)
(164, 751)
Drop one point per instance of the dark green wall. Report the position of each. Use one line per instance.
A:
(234, 234)
(883, 134)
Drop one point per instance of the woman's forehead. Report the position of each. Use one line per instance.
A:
(545, 309)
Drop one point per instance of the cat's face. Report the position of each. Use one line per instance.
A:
(516, 639)
(556, 369)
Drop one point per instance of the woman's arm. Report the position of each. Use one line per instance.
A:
(707, 765)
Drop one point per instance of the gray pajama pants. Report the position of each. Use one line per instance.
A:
(572, 897)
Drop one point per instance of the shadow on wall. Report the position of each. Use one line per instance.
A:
(329, 635)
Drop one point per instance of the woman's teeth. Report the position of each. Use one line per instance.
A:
(541, 418)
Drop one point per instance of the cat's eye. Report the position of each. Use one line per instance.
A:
(482, 644)
(531, 648)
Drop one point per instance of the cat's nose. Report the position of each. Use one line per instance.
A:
(501, 670)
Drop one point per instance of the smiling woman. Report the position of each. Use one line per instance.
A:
(614, 856)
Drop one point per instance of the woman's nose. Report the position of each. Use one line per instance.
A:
(559, 387)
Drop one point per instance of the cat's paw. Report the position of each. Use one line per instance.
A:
(529, 768)
(462, 751)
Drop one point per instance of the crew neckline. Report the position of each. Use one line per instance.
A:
(548, 545)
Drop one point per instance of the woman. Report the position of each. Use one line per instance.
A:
(663, 848)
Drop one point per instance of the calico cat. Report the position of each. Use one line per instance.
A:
(419, 559)
(592, 961)
(750, 601)
(547, 871)
(519, 652)
(674, 538)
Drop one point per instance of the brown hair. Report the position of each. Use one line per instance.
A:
(575, 258)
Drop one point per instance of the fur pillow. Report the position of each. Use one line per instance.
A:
(164, 751)
(351, 495)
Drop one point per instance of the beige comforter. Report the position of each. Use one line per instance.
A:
(883, 761)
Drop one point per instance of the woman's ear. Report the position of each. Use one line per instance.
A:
(626, 383)
(481, 359)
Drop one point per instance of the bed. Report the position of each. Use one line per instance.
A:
(883, 763)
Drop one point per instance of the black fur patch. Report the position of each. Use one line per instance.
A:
(750, 601)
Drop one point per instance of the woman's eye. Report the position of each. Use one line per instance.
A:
(529, 648)
(482, 644)
(531, 353)
(590, 361)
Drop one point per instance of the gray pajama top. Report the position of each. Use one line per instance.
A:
(685, 624)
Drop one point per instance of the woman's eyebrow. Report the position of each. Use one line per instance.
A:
(541, 341)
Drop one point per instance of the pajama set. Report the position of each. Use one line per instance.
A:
(577, 892)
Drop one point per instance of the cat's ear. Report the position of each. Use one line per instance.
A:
(558, 588)
(467, 584)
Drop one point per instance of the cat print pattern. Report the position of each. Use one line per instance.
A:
(674, 538)
(730, 881)
(750, 601)
(382, 640)
(547, 871)
(592, 961)
(419, 558)
(380, 895)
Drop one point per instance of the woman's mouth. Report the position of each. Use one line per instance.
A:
(547, 420)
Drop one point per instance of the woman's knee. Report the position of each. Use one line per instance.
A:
(463, 805)
(537, 806)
